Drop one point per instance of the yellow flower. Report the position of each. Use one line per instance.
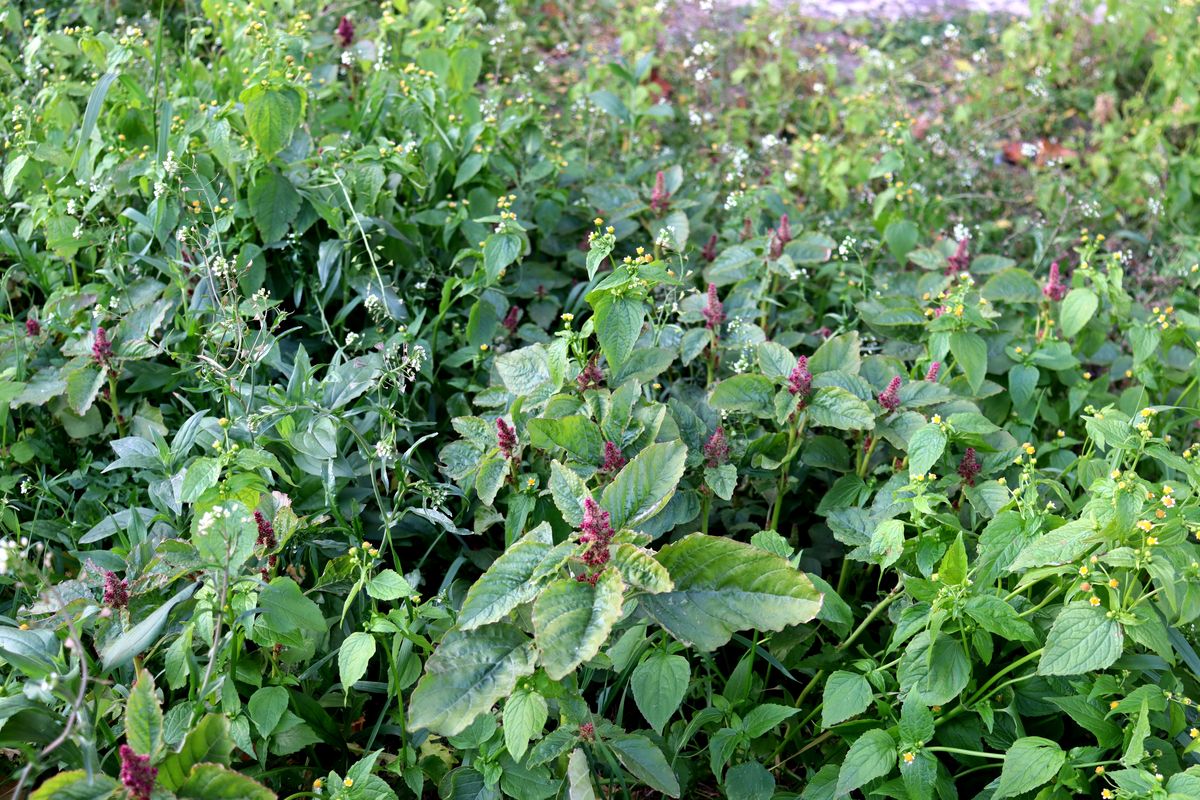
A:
(348, 782)
(1168, 501)
(1113, 583)
(484, 347)
(1029, 449)
(1113, 705)
(936, 419)
(910, 757)
(598, 221)
(1095, 601)
(1151, 541)
(1116, 473)
(1084, 570)
(1194, 733)
(1145, 524)
(317, 784)
(1167, 489)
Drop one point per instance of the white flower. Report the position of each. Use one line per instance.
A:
(347, 58)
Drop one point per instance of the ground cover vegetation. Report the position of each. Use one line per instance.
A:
(588, 400)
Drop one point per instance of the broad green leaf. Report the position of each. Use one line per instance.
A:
(201, 476)
(490, 478)
(970, 351)
(933, 673)
(645, 484)
(576, 434)
(572, 620)
(834, 407)
(143, 716)
(925, 447)
(272, 115)
(916, 723)
(722, 480)
(525, 714)
(1030, 762)
(640, 569)
(207, 742)
(1083, 639)
(1022, 383)
(749, 781)
(508, 583)
(998, 617)
(225, 535)
(389, 585)
(775, 361)
(871, 756)
(642, 757)
(266, 708)
(289, 618)
(1063, 545)
(569, 492)
(847, 695)
(215, 782)
(467, 674)
(953, 569)
(1078, 308)
(659, 684)
(766, 717)
(353, 657)
(722, 586)
(77, 785)
(887, 543)
(141, 636)
(839, 353)
(618, 324)
(751, 393)
(274, 203)
(1135, 750)
(499, 251)
(579, 777)
(82, 387)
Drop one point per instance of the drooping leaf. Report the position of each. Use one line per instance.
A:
(645, 484)
(1030, 762)
(353, 658)
(572, 620)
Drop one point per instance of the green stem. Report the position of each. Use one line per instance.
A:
(959, 751)
(112, 403)
(987, 687)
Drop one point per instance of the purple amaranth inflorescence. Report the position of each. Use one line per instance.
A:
(784, 231)
(32, 327)
(506, 437)
(511, 319)
(591, 377)
(889, 398)
(800, 381)
(660, 198)
(714, 312)
(747, 228)
(716, 449)
(116, 590)
(136, 773)
(345, 31)
(960, 260)
(709, 251)
(934, 369)
(101, 348)
(613, 459)
(969, 468)
(1055, 288)
(596, 534)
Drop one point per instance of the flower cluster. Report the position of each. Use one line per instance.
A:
(590, 377)
(780, 237)
(934, 369)
(709, 251)
(1055, 289)
(714, 312)
(596, 535)
(716, 449)
(969, 468)
(102, 351)
(960, 260)
(345, 32)
(32, 327)
(800, 381)
(266, 540)
(889, 398)
(511, 319)
(116, 590)
(506, 437)
(613, 459)
(660, 198)
(136, 773)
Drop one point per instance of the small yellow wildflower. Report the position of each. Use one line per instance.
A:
(1145, 524)
(348, 782)
(910, 757)
(1095, 601)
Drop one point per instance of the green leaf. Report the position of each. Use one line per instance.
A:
(1083, 639)
(925, 447)
(576, 434)
(953, 569)
(749, 781)
(499, 251)
(834, 407)
(1030, 762)
(640, 570)
(467, 674)
(215, 782)
(274, 203)
(353, 657)
(722, 586)
(916, 723)
(141, 636)
(933, 673)
(751, 393)
(998, 617)
(659, 684)
(208, 741)
(645, 484)
(901, 237)
(871, 756)
(225, 535)
(76, 785)
(841, 353)
(82, 387)
(887, 542)
(266, 708)
(272, 115)
(970, 351)
(389, 585)
(1022, 383)
(1135, 750)
(289, 618)
(1078, 308)
(525, 714)
(722, 480)
(775, 361)
(642, 757)
(201, 476)
(143, 716)
(572, 620)
(569, 492)
(618, 324)
(508, 583)
(847, 694)
(579, 777)
(766, 717)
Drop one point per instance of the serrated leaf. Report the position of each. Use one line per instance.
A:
(970, 351)
(266, 707)
(143, 716)
(1083, 639)
(1030, 762)
(467, 674)
(569, 493)
(207, 742)
(618, 324)
(389, 585)
(272, 115)
(645, 760)
(525, 714)
(82, 387)
(834, 407)
(201, 476)
(751, 393)
(645, 484)
(274, 203)
(572, 620)
(1078, 308)
(847, 695)
(508, 583)
(76, 784)
(871, 756)
(659, 684)
(215, 782)
(925, 447)
(353, 658)
(722, 586)
(640, 569)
